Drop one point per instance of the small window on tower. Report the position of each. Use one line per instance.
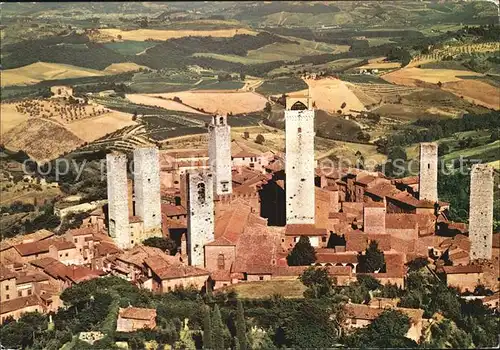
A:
(428, 166)
(299, 130)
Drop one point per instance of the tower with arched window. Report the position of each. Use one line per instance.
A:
(299, 162)
(219, 153)
(200, 215)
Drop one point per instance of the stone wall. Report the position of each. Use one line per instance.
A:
(219, 153)
(214, 254)
(118, 226)
(200, 215)
(299, 166)
(147, 189)
(374, 218)
(481, 212)
(428, 171)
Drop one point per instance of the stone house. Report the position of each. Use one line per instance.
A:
(131, 319)
(16, 307)
(360, 315)
(465, 278)
(166, 275)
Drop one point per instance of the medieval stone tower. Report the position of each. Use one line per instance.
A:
(118, 226)
(481, 212)
(428, 171)
(200, 215)
(219, 153)
(299, 162)
(147, 189)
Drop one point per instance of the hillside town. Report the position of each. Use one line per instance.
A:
(239, 217)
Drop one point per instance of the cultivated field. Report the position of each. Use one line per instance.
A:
(264, 289)
(158, 34)
(10, 117)
(411, 76)
(218, 101)
(379, 63)
(41, 139)
(93, 128)
(475, 91)
(329, 95)
(36, 72)
(153, 100)
(117, 68)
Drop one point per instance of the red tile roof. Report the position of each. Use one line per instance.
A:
(39, 247)
(304, 230)
(400, 221)
(166, 271)
(452, 270)
(20, 303)
(32, 277)
(137, 313)
(6, 274)
(82, 231)
(173, 210)
(134, 219)
(326, 255)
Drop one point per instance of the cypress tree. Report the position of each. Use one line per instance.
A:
(302, 253)
(241, 331)
(207, 330)
(217, 329)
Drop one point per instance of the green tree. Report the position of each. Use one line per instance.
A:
(164, 243)
(302, 253)
(373, 260)
(318, 282)
(260, 139)
(386, 331)
(207, 329)
(241, 328)
(268, 108)
(217, 329)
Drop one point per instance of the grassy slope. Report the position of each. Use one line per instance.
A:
(265, 289)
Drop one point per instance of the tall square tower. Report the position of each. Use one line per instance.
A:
(428, 175)
(147, 189)
(481, 212)
(201, 225)
(299, 162)
(219, 154)
(116, 176)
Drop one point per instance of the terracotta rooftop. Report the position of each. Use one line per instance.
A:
(452, 270)
(383, 190)
(39, 247)
(173, 210)
(326, 255)
(82, 231)
(365, 179)
(19, 303)
(408, 199)
(231, 224)
(304, 230)
(244, 154)
(409, 180)
(165, 270)
(137, 313)
(400, 221)
(31, 237)
(6, 274)
(32, 277)
(134, 219)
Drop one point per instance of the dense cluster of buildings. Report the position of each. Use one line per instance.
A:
(235, 216)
